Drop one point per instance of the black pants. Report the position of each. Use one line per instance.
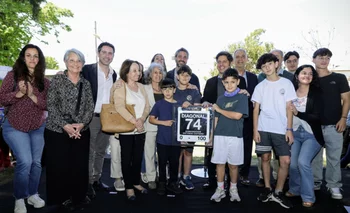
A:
(67, 167)
(131, 153)
(248, 146)
(169, 154)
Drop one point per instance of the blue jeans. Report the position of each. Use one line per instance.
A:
(28, 148)
(304, 149)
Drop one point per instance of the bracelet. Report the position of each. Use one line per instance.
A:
(344, 117)
(289, 129)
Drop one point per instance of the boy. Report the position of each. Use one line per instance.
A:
(162, 116)
(186, 97)
(230, 111)
(273, 126)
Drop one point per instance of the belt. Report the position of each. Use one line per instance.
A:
(97, 114)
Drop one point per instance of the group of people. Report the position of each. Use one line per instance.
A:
(291, 115)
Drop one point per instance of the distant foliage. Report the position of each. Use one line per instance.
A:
(51, 63)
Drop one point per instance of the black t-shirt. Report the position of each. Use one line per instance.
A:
(333, 86)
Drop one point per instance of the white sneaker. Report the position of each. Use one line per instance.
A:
(20, 206)
(218, 195)
(234, 195)
(119, 185)
(144, 178)
(336, 194)
(36, 201)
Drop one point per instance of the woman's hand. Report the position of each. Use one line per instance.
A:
(78, 127)
(119, 83)
(140, 125)
(69, 129)
(29, 89)
(22, 89)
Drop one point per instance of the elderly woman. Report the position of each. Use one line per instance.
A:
(23, 93)
(70, 109)
(131, 143)
(153, 77)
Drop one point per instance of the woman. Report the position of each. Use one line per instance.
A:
(159, 58)
(131, 143)
(23, 93)
(153, 77)
(70, 109)
(307, 132)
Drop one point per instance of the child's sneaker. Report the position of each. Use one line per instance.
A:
(234, 195)
(266, 195)
(281, 199)
(187, 183)
(218, 195)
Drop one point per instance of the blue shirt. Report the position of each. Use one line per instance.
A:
(164, 110)
(190, 95)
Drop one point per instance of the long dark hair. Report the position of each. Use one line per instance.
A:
(154, 57)
(21, 71)
(315, 83)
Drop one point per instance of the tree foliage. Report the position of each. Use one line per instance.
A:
(254, 47)
(51, 63)
(22, 20)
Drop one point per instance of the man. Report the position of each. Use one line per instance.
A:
(333, 119)
(213, 89)
(291, 60)
(181, 57)
(283, 73)
(240, 59)
(280, 71)
(101, 77)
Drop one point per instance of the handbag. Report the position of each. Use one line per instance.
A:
(112, 121)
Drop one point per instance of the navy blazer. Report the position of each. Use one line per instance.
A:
(211, 89)
(90, 73)
(252, 80)
(194, 79)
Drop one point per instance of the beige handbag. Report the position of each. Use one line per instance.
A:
(112, 121)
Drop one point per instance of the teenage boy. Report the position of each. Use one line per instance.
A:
(162, 116)
(186, 97)
(273, 125)
(336, 102)
(230, 111)
(291, 60)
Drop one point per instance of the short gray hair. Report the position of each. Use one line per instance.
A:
(75, 51)
(279, 51)
(149, 71)
(240, 50)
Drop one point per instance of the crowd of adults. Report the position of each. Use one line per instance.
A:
(57, 123)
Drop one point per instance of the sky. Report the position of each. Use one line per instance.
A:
(139, 29)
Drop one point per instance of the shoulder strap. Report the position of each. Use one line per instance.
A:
(79, 99)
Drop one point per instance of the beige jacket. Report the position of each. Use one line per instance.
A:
(117, 96)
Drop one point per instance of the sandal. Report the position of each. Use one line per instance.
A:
(130, 194)
(289, 194)
(308, 204)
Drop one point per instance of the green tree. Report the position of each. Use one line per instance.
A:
(51, 63)
(254, 47)
(21, 20)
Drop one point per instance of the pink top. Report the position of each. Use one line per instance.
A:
(23, 113)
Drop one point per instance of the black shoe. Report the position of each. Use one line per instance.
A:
(98, 185)
(209, 185)
(281, 199)
(260, 183)
(161, 188)
(266, 195)
(91, 192)
(245, 181)
(174, 188)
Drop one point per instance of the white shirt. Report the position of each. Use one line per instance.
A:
(273, 97)
(300, 105)
(104, 88)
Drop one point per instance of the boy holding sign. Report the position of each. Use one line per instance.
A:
(230, 111)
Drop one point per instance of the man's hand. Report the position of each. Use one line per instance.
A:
(186, 104)
(341, 125)
(206, 104)
(243, 91)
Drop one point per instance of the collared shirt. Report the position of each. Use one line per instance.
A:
(245, 77)
(104, 87)
(62, 100)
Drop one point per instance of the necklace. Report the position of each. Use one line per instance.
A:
(156, 90)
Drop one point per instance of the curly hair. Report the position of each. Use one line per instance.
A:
(21, 71)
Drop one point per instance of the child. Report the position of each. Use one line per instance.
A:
(272, 124)
(162, 116)
(230, 111)
(186, 97)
